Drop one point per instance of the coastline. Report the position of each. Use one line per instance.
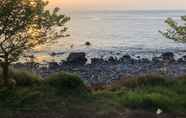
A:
(100, 70)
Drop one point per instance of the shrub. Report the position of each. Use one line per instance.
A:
(132, 99)
(145, 80)
(22, 77)
(148, 101)
(25, 78)
(65, 82)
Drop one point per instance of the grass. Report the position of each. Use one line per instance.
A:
(66, 94)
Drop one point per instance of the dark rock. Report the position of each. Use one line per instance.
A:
(184, 57)
(138, 57)
(53, 65)
(77, 58)
(112, 60)
(96, 61)
(126, 59)
(87, 43)
(118, 53)
(56, 53)
(156, 59)
(144, 60)
(168, 57)
(180, 60)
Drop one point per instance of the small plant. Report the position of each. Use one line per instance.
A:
(65, 83)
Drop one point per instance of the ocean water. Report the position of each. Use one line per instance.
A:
(116, 33)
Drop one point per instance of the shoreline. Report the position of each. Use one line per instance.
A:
(106, 70)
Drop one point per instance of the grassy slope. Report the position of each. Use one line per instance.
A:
(45, 101)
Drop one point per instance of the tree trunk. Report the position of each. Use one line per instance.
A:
(5, 67)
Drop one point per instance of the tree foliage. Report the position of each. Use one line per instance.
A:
(25, 24)
(176, 32)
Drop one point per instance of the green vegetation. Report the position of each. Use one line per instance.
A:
(150, 92)
(22, 78)
(176, 31)
(66, 83)
(67, 94)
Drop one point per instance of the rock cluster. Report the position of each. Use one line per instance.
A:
(105, 71)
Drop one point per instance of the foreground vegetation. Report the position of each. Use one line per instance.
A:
(65, 95)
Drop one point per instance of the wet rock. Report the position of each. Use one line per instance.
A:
(112, 60)
(95, 61)
(77, 58)
(144, 60)
(138, 57)
(87, 43)
(118, 53)
(184, 57)
(168, 57)
(156, 59)
(180, 60)
(126, 59)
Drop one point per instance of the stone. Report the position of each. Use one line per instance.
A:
(168, 57)
(184, 57)
(112, 60)
(156, 59)
(87, 43)
(180, 60)
(77, 58)
(126, 59)
(96, 61)
(144, 60)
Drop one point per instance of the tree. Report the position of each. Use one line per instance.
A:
(25, 24)
(176, 32)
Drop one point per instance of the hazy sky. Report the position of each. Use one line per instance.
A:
(118, 4)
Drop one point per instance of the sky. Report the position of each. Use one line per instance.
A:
(119, 4)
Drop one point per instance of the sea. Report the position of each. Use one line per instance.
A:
(115, 33)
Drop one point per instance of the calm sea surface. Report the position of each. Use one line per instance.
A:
(117, 33)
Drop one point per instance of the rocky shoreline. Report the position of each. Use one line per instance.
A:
(105, 71)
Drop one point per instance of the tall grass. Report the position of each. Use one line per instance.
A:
(151, 93)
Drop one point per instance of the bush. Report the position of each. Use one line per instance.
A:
(22, 77)
(66, 82)
(145, 80)
(148, 101)
(25, 78)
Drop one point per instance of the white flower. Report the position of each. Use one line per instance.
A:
(159, 111)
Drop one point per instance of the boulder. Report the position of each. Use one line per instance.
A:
(112, 60)
(126, 59)
(77, 58)
(144, 60)
(168, 57)
(180, 60)
(87, 43)
(184, 57)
